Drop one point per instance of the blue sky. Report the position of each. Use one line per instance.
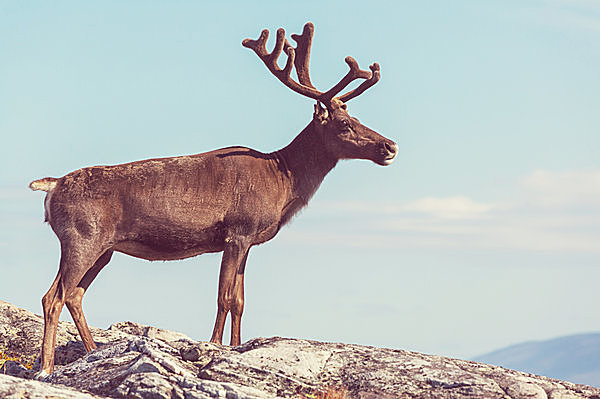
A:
(483, 233)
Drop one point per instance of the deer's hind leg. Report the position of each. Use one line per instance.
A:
(75, 297)
(77, 258)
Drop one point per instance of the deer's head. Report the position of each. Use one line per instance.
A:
(342, 135)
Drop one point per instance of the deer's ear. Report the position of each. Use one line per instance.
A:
(321, 114)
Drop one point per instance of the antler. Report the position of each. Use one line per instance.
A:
(299, 57)
(375, 76)
(283, 75)
(304, 43)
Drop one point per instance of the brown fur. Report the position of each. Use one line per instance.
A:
(173, 208)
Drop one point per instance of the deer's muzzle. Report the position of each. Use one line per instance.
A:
(388, 151)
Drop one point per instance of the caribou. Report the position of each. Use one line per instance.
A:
(226, 200)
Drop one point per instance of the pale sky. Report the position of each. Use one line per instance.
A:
(485, 231)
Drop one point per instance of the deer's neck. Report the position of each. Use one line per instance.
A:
(306, 162)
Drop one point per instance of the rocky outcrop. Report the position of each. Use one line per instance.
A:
(134, 361)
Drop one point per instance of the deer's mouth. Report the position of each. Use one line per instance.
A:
(388, 161)
(388, 153)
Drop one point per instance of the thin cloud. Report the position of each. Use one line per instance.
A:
(550, 211)
(455, 207)
(458, 207)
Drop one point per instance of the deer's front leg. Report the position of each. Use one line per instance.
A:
(237, 306)
(234, 257)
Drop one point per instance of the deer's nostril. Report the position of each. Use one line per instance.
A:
(392, 148)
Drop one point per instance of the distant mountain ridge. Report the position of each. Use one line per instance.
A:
(574, 358)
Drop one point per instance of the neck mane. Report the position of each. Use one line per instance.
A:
(307, 162)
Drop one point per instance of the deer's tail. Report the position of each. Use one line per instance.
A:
(45, 184)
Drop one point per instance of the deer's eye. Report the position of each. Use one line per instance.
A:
(345, 124)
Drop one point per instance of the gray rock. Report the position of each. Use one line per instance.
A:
(149, 331)
(135, 361)
(19, 388)
(14, 368)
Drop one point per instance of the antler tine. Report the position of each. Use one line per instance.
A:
(354, 73)
(279, 42)
(258, 45)
(304, 43)
(270, 60)
(375, 76)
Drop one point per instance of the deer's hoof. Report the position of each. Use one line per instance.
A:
(41, 375)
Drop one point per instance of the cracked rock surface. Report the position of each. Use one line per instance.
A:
(134, 361)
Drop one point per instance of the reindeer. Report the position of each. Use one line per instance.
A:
(225, 200)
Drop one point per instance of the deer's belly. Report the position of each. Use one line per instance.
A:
(164, 252)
